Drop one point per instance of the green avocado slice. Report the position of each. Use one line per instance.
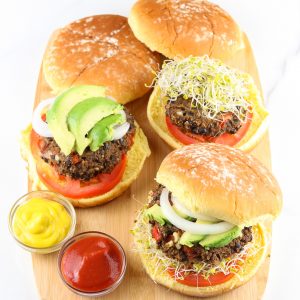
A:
(84, 116)
(221, 239)
(57, 115)
(155, 213)
(189, 239)
(102, 131)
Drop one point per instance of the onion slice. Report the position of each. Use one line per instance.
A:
(186, 225)
(189, 213)
(120, 130)
(39, 126)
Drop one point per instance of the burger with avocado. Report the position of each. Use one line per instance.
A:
(84, 145)
(202, 232)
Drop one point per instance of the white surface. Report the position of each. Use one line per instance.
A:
(274, 31)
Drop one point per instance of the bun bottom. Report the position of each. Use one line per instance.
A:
(251, 265)
(157, 118)
(136, 157)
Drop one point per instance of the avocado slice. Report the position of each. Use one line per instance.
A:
(189, 239)
(155, 213)
(102, 131)
(57, 115)
(84, 116)
(221, 239)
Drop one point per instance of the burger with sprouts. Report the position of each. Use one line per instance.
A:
(199, 99)
(202, 232)
(199, 95)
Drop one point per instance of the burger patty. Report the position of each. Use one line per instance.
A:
(190, 119)
(90, 163)
(170, 235)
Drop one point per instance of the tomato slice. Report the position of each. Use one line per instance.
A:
(225, 138)
(74, 188)
(197, 280)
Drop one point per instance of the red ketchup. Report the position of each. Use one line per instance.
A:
(92, 264)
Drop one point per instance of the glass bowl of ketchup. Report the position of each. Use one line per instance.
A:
(92, 263)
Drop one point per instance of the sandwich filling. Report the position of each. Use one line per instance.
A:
(211, 259)
(91, 163)
(169, 239)
(206, 100)
(190, 119)
(80, 140)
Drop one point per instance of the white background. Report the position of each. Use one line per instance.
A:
(274, 30)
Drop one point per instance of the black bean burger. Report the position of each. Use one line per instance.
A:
(83, 145)
(200, 95)
(199, 99)
(202, 232)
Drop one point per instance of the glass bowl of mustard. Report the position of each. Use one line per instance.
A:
(41, 221)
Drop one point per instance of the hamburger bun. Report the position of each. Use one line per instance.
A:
(156, 113)
(136, 157)
(221, 182)
(100, 50)
(156, 269)
(217, 181)
(178, 29)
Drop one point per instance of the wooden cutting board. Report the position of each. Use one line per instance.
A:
(116, 218)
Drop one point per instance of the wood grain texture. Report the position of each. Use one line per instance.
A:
(117, 217)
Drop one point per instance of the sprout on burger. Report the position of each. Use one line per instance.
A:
(208, 84)
(200, 99)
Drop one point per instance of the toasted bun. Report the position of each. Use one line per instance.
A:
(136, 157)
(100, 50)
(181, 28)
(158, 272)
(222, 182)
(157, 117)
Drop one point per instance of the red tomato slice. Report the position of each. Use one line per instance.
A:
(197, 280)
(75, 188)
(225, 138)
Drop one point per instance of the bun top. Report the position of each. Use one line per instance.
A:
(222, 182)
(181, 28)
(100, 50)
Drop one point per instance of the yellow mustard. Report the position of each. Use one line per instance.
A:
(41, 223)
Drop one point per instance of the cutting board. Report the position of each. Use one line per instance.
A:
(116, 218)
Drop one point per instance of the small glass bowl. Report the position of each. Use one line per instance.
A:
(49, 196)
(82, 236)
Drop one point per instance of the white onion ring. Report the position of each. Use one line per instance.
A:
(39, 126)
(189, 213)
(120, 130)
(186, 225)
